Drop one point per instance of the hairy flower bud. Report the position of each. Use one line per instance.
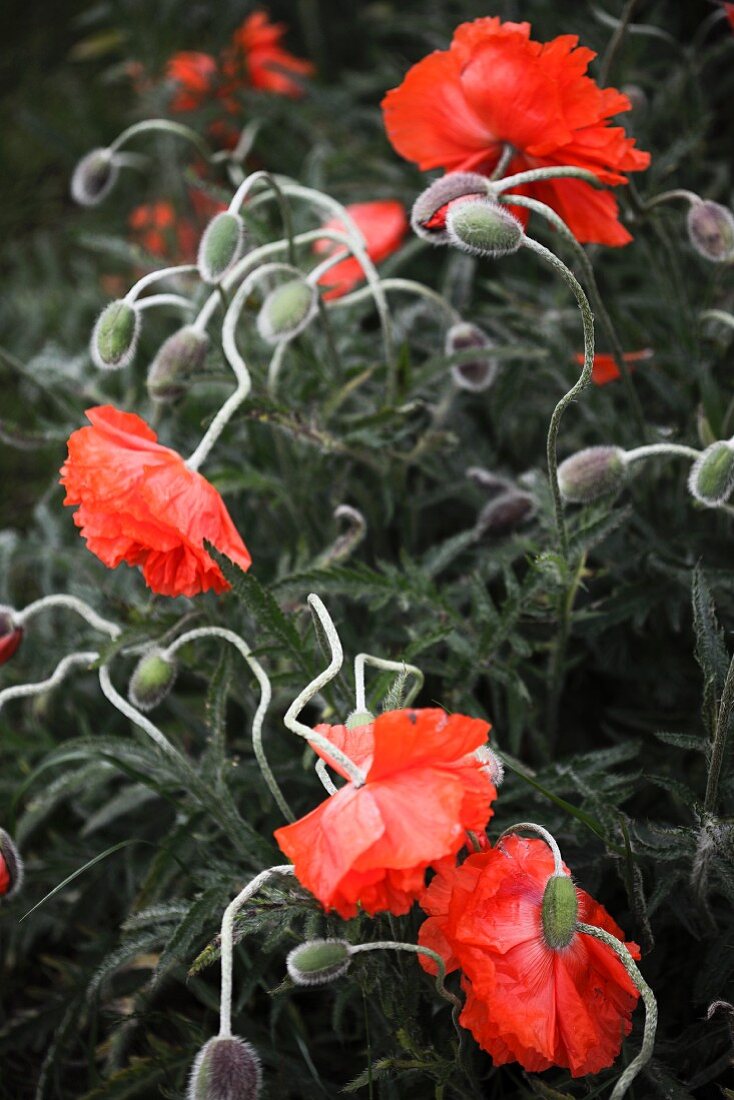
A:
(559, 911)
(10, 635)
(477, 374)
(505, 512)
(153, 678)
(491, 764)
(359, 718)
(711, 230)
(428, 217)
(221, 246)
(115, 336)
(317, 962)
(225, 1069)
(591, 474)
(94, 177)
(11, 867)
(287, 310)
(483, 228)
(180, 356)
(711, 479)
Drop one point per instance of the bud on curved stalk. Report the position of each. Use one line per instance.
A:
(152, 680)
(94, 177)
(226, 1068)
(591, 474)
(504, 513)
(11, 867)
(428, 216)
(711, 230)
(115, 336)
(476, 374)
(559, 911)
(11, 635)
(483, 228)
(711, 479)
(318, 962)
(178, 358)
(221, 246)
(287, 311)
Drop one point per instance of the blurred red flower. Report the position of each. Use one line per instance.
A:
(139, 503)
(525, 1000)
(729, 9)
(195, 76)
(10, 637)
(605, 369)
(458, 108)
(162, 231)
(369, 846)
(383, 224)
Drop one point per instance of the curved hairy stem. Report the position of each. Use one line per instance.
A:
(363, 659)
(544, 835)
(22, 691)
(414, 949)
(70, 603)
(166, 126)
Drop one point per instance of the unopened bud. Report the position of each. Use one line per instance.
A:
(221, 246)
(359, 718)
(287, 310)
(225, 1069)
(115, 336)
(11, 867)
(182, 355)
(10, 635)
(476, 374)
(591, 474)
(428, 217)
(483, 228)
(491, 764)
(318, 961)
(153, 678)
(492, 483)
(711, 479)
(505, 512)
(559, 911)
(711, 230)
(94, 177)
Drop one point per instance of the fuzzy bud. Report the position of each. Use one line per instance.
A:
(94, 177)
(501, 515)
(179, 357)
(153, 678)
(491, 764)
(115, 336)
(711, 479)
(476, 374)
(317, 962)
(10, 635)
(221, 246)
(591, 474)
(287, 311)
(359, 718)
(225, 1069)
(559, 911)
(11, 867)
(711, 230)
(483, 228)
(428, 217)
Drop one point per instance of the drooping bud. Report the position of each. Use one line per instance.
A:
(491, 764)
(505, 512)
(711, 479)
(591, 474)
(483, 228)
(559, 911)
(221, 246)
(287, 311)
(153, 678)
(115, 336)
(428, 217)
(359, 718)
(94, 177)
(317, 962)
(11, 867)
(492, 483)
(711, 230)
(179, 357)
(476, 374)
(10, 635)
(225, 1069)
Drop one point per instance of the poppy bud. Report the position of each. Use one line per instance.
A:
(317, 962)
(11, 867)
(591, 474)
(225, 1069)
(492, 483)
(221, 246)
(359, 718)
(115, 336)
(711, 479)
(491, 764)
(477, 374)
(711, 230)
(559, 911)
(153, 678)
(505, 512)
(428, 217)
(94, 177)
(287, 311)
(483, 228)
(181, 355)
(10, 635)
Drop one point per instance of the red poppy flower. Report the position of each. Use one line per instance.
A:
(605, 369)
(729, 10)
(369, 846)
(495, 86)
(383, 225)
(525, 1000)
(140, 503)
(267, 66)
(195, 76)
(5, 881)
(10, 636)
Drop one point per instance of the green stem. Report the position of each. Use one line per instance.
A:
(721, 736)
(615, 42)
(558, 655)
(415, 949)
(535, 175)
(162, 125)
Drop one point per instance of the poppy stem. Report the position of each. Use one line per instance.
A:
(713, 315)
(508, 151)
(363, 659)
(415, 949)
(553, 172)
(155, 277)
(545, 835)
(322, 772)
(651, 1006)
(166, 126)
(243, 191)
(22, 691)
(670, 196)
(718, 744)
(410, 287)
(652, 449)
(70, 603)
(156, 300)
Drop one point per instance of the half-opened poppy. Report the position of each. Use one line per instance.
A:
(494, 87)
(383, 224)
(605, 369)
(369, 846)
(140, 503)
(528, 1001)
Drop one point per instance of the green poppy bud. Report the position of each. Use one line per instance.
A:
(483, 228)
(287, 310)
(115, 336)
(711, 230)
(711, 479)
(428, 217)
(182, 355)
(153, 678)
(225, 1069)
(317, 962)
(221, 246)
(559, 911)
(94, 177)
(359, 718)
(11, 867)
(476, 374)
(591, 474)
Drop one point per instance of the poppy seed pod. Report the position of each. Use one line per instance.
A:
(483, 228)
(559, 911)
(11, 867)
(180, 356)
(287, 311)
(10, 635)
(225, 1069)
(711, 230)
(428, 217)
(153, 678)
(94, 177)
(505, 512)
(711, 479)
(317, 962)
(591, 474)
(115, 336)
(221, 246)
(476, 374)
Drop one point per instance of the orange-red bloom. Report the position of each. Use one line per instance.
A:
(605, 369)
(458, 108)
(383, 224)
(10, 636)
(729, 10)
(526, 1001)
(195, 76)
(267, 66)
(140, 503)
(369, 846)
